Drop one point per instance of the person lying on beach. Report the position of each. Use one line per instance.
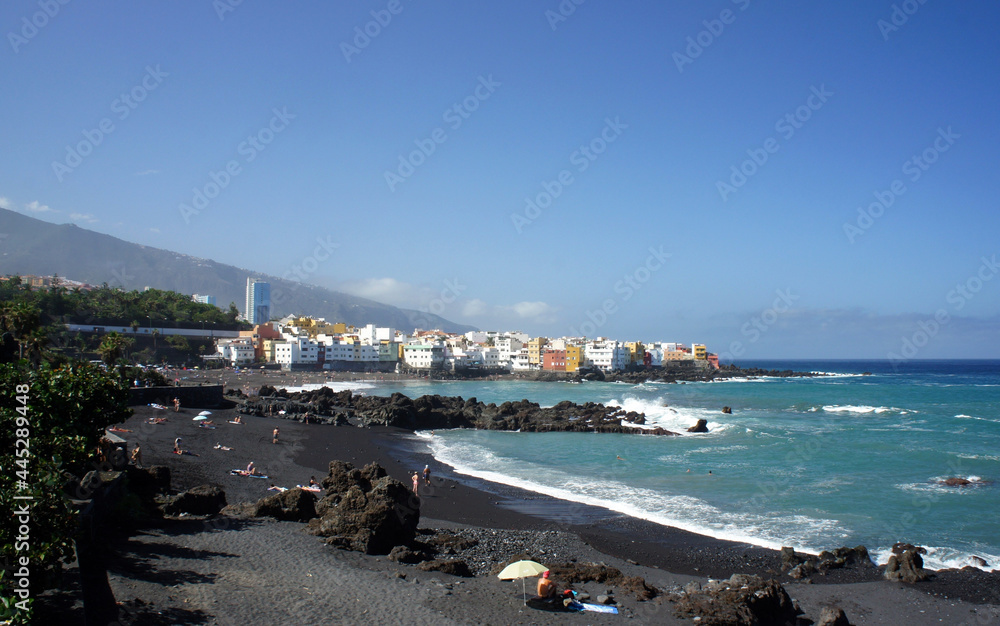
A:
(119, 429)
(156, 420)
(238, 420)
(274, 487)
(206, 426)
(187, 452)
(219, 446)
(251, 470)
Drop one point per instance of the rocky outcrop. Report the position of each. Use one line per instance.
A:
(801, 566)
(700, 427)
(727, 410)
(454, 567)
(365, 510)
(907, 567)
(200, 500)
(742, 600)
(832, 616)
(594, 572)
(292, 505)
(439, 412)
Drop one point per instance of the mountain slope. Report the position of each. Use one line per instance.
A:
(31, 246)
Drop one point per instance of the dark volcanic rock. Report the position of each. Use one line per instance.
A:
(700, 427)
(365, 510)
(594, 572)
(403, 554)
(900, 547)
(907, 567)
(832, 616)
(741, 600)
(200, 500)
(727, 410)
(455, 568)
(293, 505)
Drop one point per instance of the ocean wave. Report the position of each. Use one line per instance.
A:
(672, 418)
(354, 385)
(981, 419)
(979, 457)
(678, 511)
(863, 408)
(943, 558)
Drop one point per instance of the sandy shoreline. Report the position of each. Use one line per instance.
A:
(263, 572)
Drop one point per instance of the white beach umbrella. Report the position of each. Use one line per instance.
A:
(205, 413)
(522, 570)
(199, 418)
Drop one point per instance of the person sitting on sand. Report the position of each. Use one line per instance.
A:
(546, 588)
(251, 470)
(137, 456)
(313, 482)
(177, 444)
(238, 420)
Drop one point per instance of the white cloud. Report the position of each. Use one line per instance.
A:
(36, 207)
(389, 291)
(475, 308)
(533, 310)
(4, 202)
(82, 217)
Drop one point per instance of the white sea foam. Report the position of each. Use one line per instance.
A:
(862, 408)
(673, 418)
(943, 558)
(979, 457)
(981, 419)
(353, 385)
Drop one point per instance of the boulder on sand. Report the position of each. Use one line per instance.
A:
(907, 567)
(200, 500)
(832, 616)
(373, 514)
(292, 505)
(742, 600)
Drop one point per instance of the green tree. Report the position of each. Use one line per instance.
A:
(51, 419)
(113, 347)
(21, 320)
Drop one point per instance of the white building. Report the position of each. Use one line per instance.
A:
(423, 355)
(520, 361)
(237, 351)
(607, 355)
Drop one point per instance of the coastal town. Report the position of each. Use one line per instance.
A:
(304, 343)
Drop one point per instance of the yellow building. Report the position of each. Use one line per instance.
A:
(318, 327)
(674, 355)
(574, 358)
(637, 351)
(535, 348)
(699, 351)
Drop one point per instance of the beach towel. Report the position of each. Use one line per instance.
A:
(206, 426)
(157, 406)
(239, 472)
(598, 608)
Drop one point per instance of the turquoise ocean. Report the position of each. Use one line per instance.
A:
(813, 463)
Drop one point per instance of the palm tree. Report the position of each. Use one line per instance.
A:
(113, 347)
(21, 320)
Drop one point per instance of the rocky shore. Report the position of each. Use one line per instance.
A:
(439, 412)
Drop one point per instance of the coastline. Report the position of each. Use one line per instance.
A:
(668, 558)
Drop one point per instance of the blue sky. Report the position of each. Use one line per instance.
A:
(737, 140)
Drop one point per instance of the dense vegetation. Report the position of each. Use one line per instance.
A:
(33, 319)
(54, 409)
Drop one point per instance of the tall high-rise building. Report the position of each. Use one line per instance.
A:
(258, 301)
(204, 299)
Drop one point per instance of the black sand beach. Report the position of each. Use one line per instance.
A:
(230, 571)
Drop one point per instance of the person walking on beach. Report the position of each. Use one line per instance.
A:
(416, 483)
(177, 405)
(427, 475)
(274, 435)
